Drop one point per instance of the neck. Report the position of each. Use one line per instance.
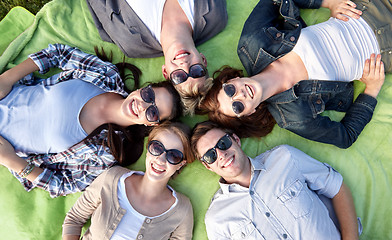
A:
(176, 28)
(151, 190)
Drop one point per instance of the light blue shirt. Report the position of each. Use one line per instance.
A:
(281, 202)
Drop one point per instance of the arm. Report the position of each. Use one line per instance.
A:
(345, 211)
(83, 208)
(11, 76)
(78, 64)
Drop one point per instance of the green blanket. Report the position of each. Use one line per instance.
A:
(366, 166)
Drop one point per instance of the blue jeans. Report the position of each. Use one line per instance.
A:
(298, 110)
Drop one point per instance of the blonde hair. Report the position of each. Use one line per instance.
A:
(193, 95)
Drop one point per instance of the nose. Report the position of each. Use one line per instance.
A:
(239, 95)
(162, 158)
(143, 106)
(221, 154)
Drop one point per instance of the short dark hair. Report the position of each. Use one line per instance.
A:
(201, 129)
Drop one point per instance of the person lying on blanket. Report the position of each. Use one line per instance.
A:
(85, 104)
(125, 204)
(280, 194)
(297, 72)
(150, 28)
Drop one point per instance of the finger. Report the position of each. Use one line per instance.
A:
(366, 68)
(342, 17)
(351, 12)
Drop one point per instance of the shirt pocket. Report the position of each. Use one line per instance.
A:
(246, 230)
(317, 104)
(297, 199)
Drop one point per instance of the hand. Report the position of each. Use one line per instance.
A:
(373, 75)
(340, 9)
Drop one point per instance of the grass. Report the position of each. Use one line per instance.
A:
(32, 5)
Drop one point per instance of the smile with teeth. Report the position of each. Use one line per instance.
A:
(134, 108)
(157, 168)
(229, 162)
(181, 55)
(250, 91)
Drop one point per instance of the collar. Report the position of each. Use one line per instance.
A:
(256, 167)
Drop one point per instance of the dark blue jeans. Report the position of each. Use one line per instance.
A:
(298, 110)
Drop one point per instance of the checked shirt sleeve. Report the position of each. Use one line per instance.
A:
(70, 171)
(78, 65)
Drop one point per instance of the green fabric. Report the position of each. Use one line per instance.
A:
(366, 166)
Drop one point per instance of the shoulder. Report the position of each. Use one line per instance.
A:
(183, 202)
(114, 173)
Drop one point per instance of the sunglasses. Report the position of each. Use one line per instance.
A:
(148, 96)
(223, 143)
(195, 71)
(173, 156)
(237, 106)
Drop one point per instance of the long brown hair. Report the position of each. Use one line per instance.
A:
(126, 143)
(258, 124)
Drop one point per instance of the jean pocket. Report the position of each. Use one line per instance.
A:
(246, 230)
(317, 104)
(296, 199)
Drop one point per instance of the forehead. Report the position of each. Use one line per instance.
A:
(169, 139)
(164, 102)
(209, 140)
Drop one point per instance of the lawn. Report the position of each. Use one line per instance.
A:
(32, 5)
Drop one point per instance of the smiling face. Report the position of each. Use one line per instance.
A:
(157, 167)
(134, 107)
(230, 163)
(247, 92)
(180, 57)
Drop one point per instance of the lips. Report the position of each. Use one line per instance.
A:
(134, 109)
(181, 54)
(157, 169)
(250, 91)
(228, 163)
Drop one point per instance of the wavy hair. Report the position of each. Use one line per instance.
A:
(258, 124)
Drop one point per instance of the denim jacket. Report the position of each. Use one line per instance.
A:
(298, 110)
(270, 32)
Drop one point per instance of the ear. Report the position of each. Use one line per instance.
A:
(237, 139)
(181, 165)
(204, 59)
(164, 72)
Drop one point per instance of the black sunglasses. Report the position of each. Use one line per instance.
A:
(237, 106)
(223, 143)
(148, 95)
(195, 71)
(173, 156)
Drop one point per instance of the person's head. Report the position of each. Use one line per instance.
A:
(219, 150)
(153, 104)
(186, 69)
(168, 150)
(234, 103)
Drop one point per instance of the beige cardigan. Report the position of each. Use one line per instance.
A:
(100, 202)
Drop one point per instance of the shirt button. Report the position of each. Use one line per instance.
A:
(251, 192)
(140, 236)
(318, 101)
(278, 35)
(267, 214)
(292, 38)
(390, 52)
(148, 220)
(379, 32)
(243, 235)
(292, 192)
(284, 235)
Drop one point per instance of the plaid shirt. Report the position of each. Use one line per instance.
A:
(74, 169)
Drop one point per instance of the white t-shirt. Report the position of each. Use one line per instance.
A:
(150, 12)
(335, 49)
(132, 221)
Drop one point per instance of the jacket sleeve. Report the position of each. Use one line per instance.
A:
(341, 134)
(184, 230)
(77, 64)
(84, 207)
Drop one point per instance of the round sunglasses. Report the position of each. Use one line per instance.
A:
(148, 96)
(195, 71)
(223, 143)
(173, 156)
(237, 106)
